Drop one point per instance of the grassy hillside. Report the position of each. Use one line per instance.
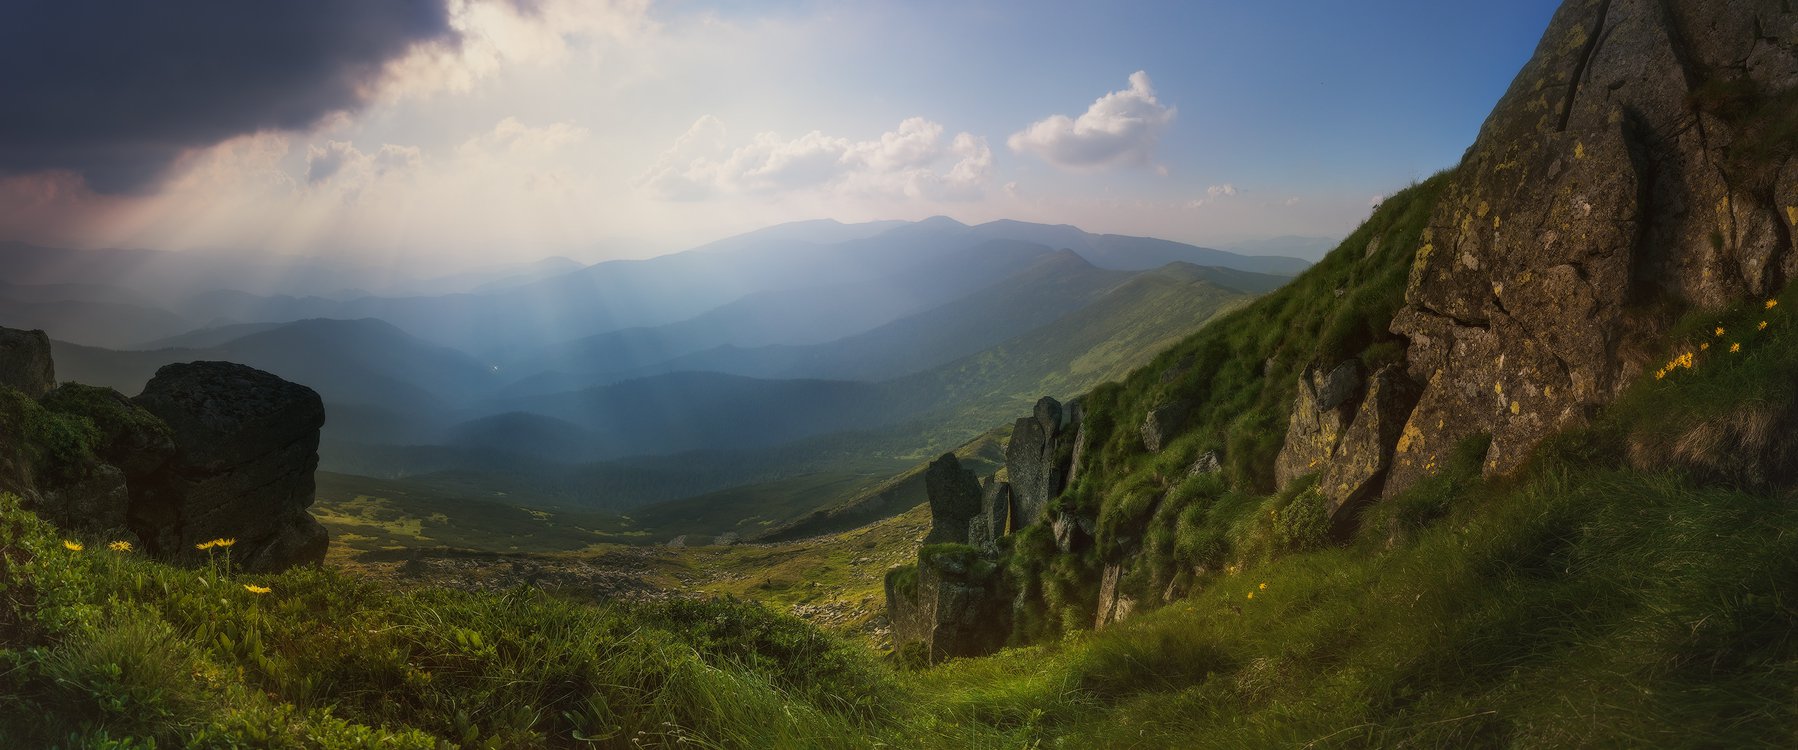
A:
(1627, 589)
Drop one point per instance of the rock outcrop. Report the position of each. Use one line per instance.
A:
(1606, 182)
(953, 603)
(1357, 468)
(1321, 413)
(246, 446)
(25, 362)
(955, 499)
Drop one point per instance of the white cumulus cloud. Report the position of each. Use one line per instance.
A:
(911, 161)
(1120, 128)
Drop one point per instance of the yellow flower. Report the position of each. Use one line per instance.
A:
(71, 545)
(206, 545)
(255, 589)
(1263, 585)
(225, 542)
(1660, 374)
(1719, 330)
(1772, 303)
(1251, 594)
(1733, 348)
(119, 546)
(1704, 346)
(1763, 325)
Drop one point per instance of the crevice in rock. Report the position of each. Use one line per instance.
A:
(1484, 325)
(1585, 60)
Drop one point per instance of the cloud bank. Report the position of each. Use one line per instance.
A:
(117, 91)
(1119, 129)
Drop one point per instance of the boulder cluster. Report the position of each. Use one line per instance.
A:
(209, 450)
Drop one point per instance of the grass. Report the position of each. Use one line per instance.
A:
(101, 646)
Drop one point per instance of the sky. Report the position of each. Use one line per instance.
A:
(469, 132)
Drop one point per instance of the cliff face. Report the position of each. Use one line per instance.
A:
(1635, 168)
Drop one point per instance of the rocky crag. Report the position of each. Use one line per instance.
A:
(209, 450)
(1642, 166)
(956, 601)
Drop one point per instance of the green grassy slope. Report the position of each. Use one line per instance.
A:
(1624, 590)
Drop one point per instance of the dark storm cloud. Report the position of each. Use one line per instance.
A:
(116, 89)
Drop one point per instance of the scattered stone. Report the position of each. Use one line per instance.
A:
(1162, 423)
(1209, 462)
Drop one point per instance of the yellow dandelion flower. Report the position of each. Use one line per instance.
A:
(1763, 326)
(1772, 303)
(1704, 346)
(203, 546)
(1733, 348)
(225, 542)
(72, 546)
(1251, 594)
(255, 589)
(1719, 330)
(1263, 585)
(1660, 374)
(119, 546)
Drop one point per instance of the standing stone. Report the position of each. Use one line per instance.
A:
(246, 446)
(1037, 461)
(1114, 604)
(25, 362)
(992, 522)
(955, 499)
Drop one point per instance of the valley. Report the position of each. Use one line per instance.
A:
(413, 376)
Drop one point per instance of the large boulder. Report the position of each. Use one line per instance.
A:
(1603, 185)
(95, 503)
(246, 446)
(25, 362)
(955, 499)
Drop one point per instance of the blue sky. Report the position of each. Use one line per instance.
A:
(501, 130)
